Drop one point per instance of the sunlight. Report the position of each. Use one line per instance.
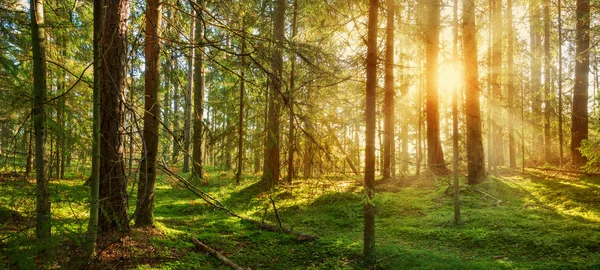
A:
(450, 77)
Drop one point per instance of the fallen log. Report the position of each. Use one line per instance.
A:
(215, 254)
(300, 236)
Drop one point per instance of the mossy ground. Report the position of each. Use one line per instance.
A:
(536, 220)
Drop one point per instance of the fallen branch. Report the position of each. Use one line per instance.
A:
(215, 253)
(215, 203)
(498, 201)
(276, 213)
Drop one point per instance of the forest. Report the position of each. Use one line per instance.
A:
(299, 134)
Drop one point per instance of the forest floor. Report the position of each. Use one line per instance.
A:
(536, 220)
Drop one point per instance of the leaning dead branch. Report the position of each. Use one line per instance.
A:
(498, 201)
(300, 236)
(215, 253)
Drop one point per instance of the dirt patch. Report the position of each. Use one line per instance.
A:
(124, 251)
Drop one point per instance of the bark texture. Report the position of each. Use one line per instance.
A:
(435, 154)
(42, 194)
(369, 208)
(579, 125)
(144, 212)
(113, 180)
(272, 162)
(475, 158)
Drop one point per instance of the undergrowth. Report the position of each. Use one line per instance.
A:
(534, 220)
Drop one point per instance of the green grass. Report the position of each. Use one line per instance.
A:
(542, 222)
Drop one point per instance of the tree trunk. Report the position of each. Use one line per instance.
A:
(42, 194)
(291, 137)
(536, 73)
(144, 212)
(29, 149)
(240, 157)
(175, 112)
(388, 102)
(475, 158)
(166, 109)
(92, 231)
(113, 181)
(547, 83)
(455, 152)
(495, 78)
(272, 163)
(188, 102)
(369, 208)
(579, 125)
(560, 96)
(435, 154)
(198, 93)
(510, 95)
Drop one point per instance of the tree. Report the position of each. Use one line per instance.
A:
(199, 74)
(435, 154)
(560, 94)
(42, 194)
(388, 103)
(536, 73)
(188, 101)
(144, 212)
(370, 114)
(455, 153)
(95, 174)
(291, 138)
(496, 154)
(475, 158)
(240, 161)
(579, 117)
(113, 181)
(547, 83)
(510, 92)
(272, 163)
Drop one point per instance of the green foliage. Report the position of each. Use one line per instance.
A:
(542, 222)
(590, 149)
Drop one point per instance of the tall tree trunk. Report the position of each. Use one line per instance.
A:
(536, 73)
(419, 155)
(144, 212)
(92, 231)
(29, 149)
(496, 61)
(291, 137)
(510, 95)
(175, 112)
(199, 57)
(547, 83)
(113, 180)
(369, 208)
(475, 158)
(272, 163)
(166, 109)
(42, 194)
(455, 154)
(188, 101)
(240, 157)
(579, 125)
(388, 102)
(435, 154)
(560, 96)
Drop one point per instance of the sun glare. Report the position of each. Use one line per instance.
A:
(450, 78)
